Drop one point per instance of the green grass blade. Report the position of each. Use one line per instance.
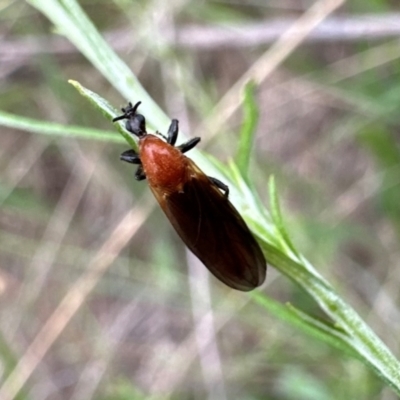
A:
(70, 20)
(319, 329)
(248, 130)
(106, 109)
(277, 216)
(54, 129)
(363, 340)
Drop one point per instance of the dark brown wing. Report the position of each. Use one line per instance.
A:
(214, 231)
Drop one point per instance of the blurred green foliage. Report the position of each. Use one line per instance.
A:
(330, 139)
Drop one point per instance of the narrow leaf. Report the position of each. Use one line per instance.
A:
(106, 109)
(308, 324)
(277, 215)
(54, 129)
(247, 132)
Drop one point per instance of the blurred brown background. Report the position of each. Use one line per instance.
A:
(157, 325)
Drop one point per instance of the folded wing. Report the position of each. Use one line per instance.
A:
(214, 231)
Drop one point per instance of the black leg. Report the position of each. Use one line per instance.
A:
(220, 185)
(173, 132)
(140, 175)
(189, 145)
(131, 157)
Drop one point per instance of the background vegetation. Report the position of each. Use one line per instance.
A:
(157, 325)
